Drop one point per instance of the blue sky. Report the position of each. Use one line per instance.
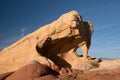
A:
(20, 17)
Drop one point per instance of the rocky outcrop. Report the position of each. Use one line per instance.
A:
(49, 53)
(30, 71)
(37, 71)
(54, 45)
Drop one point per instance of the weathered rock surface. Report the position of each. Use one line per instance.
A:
(49, 53)
(30, 71)
(37, 71)
(54, 45)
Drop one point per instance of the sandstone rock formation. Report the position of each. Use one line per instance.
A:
(37, 71)
(30, 71)
(54, 45)
(49, 53)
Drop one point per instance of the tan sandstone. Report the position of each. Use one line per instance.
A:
(52, 44)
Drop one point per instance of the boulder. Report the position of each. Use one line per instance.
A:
(30, 71)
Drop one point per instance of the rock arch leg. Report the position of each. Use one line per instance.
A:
(85, 51)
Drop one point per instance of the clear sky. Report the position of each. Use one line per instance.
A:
(20, 17)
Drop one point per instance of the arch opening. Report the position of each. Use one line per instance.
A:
(79, 52)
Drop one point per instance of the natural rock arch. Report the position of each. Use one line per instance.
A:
(53, 43)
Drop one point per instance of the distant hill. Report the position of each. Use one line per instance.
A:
(105, 58)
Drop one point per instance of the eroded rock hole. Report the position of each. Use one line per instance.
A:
(79, 52)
